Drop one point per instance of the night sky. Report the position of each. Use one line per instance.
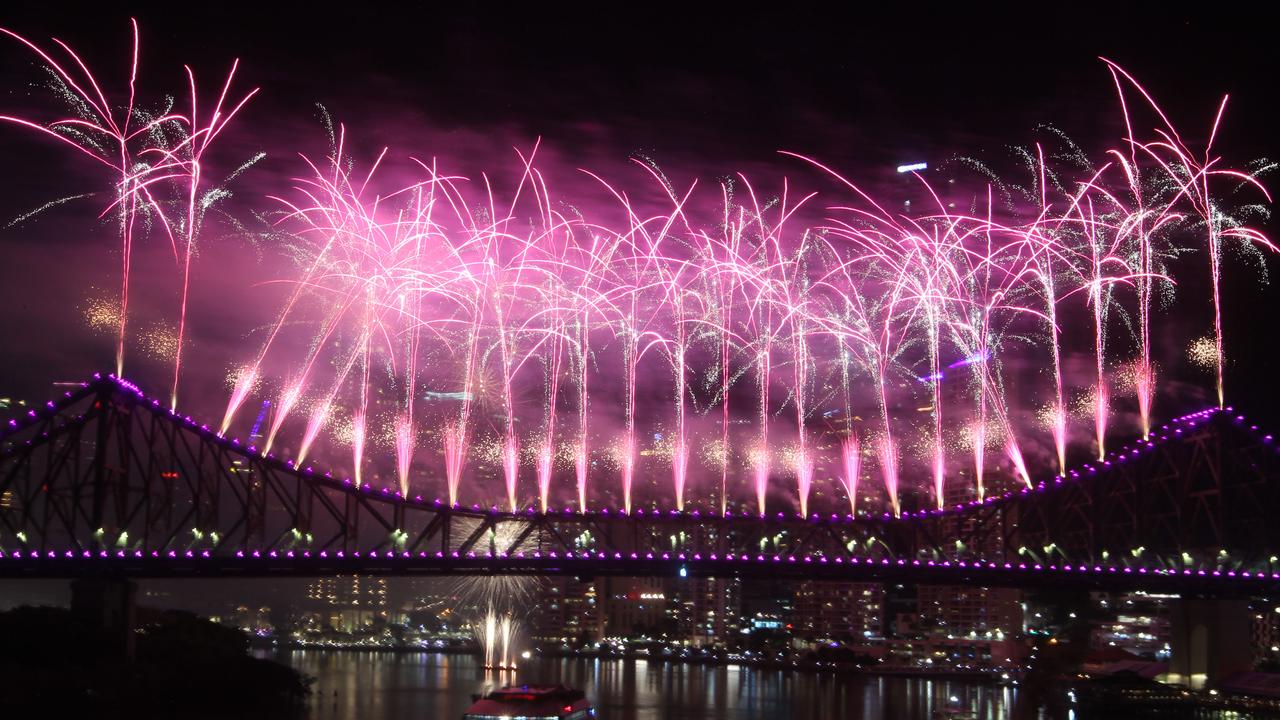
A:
(703, 94)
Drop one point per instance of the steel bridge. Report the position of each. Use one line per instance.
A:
(107, 481)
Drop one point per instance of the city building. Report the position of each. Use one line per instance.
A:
(567, 611)
(250, 619)
(951, 654)
(836, 611)
(640, 607)
(963, 611)
(349, 603)
(1266, 634)
(1136, 622)
(713, 614)
(948, 626)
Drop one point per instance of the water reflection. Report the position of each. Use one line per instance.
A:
(417, 686)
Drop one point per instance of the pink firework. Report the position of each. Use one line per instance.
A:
(189, 156)
(111, 133)
(319, 416)
(851, 463)
(244, 384)
(546, 454)
(511, 469)
(580, 468)
(358, 430)
(754, 330)
(887, 454)
(804, 479)
(405, 439)
(455, 457)
(978, 434)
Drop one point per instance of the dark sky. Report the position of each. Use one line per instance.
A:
(730, 82)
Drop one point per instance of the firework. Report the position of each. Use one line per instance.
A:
(851, 454)
(150, 170)
(743, 330)
(496, 635)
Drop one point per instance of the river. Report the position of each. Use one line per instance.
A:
(426, 686)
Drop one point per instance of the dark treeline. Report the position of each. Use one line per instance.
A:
(56, 663)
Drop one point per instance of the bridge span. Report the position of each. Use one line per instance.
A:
(107, 481)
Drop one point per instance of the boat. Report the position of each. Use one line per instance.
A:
(531, 702)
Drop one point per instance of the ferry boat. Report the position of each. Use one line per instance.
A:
(531, 702)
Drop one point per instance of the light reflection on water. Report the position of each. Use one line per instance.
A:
(418, 686)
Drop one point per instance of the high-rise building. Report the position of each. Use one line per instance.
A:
(713, 610)
(1138, 622)
(1266, 633)
(958, 627)
(838, 611)
(349, 603)
(967, 611)
(248, 618)
(639, 606)
(568, 611)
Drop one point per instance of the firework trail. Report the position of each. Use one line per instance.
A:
(546, 453)
(113, 134)
(489, 637)
(1043, 251)
(851, 456)
(189, 156)
(580, 449)
(887, 455)
(1192, 173)
(496, 635)
(476, 292)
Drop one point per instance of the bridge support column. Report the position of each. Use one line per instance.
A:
(1211, 640)
(107, 604)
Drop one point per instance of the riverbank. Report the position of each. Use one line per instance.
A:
(174, 664)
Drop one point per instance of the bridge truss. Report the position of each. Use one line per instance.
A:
(107, 480)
